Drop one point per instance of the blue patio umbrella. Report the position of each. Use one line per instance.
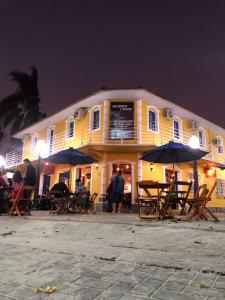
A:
(70, 156)
(173, 153)
(176, 153)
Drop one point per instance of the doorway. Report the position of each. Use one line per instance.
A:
(126, 169)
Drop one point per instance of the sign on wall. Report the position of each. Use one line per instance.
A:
(122, 120)
(220, 188)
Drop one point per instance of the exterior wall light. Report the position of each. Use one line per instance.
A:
(96, 165)
(194, 142)
(151, 167)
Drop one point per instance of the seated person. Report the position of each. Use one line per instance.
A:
(3, 184)
(61, 187)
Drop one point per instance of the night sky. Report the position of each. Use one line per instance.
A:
(175, 49)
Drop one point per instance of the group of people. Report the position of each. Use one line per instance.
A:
(17, 182)
(115, 192)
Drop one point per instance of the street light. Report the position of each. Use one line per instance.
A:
(2, 161)
(194, 143)
(42, 151)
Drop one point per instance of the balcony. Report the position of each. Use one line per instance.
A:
(134, 138)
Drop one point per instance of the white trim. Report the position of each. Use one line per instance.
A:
(131, 94)
(220, 153)
(91, 178)
(121, 161)
(91, 114)
(140, 170)
(103, 175)
(35, 135)
(201, 129)
(180, 122)
(139, 121)
(156, 111)
(69, 120)
(105, 121)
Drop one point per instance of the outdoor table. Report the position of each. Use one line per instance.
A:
(151, 203)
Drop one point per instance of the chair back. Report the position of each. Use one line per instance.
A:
(145, 185)
(56, 194)
(211, 191)
(186, 184)
(93, 197)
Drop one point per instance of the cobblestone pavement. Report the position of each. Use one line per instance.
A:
(106, 257)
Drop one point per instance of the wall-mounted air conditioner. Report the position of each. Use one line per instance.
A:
(193, 125)
(218, 141)
(168, 113)
(80, 113)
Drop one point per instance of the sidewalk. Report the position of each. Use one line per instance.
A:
(110, 257)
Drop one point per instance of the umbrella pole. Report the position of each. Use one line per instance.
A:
(195, 176)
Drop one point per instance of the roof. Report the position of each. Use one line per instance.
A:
(104, 94)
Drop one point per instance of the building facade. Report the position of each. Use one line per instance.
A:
(116, 127)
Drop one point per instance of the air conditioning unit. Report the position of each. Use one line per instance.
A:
(193, 125)
(80, 113)
(168, 113)
(218, 141)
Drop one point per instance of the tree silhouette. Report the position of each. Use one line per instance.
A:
(21, 109)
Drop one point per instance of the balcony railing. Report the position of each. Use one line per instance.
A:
(114, 137)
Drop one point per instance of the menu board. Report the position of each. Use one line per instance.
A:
(122, 120)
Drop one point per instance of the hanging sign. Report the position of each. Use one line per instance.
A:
(122, 121)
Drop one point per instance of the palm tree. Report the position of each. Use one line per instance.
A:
(21, 108)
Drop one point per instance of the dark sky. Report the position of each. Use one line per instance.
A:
(173, 48)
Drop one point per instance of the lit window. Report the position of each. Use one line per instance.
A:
(201, 138)
(70, 129)
(95, 120)
(50, 139)
(34, 142)
(177, 134)
(152, 120)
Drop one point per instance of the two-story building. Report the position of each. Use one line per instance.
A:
(116, 127)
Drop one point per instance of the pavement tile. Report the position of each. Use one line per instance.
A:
(115, 292)
(173, 286)
(93, 283)
(205, 292)
(162, 273)
(220, 282)
(183, 277)
(204, 279)
(26, 293)
(166, 295)
(147, 287)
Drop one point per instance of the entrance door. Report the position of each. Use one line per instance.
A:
(127, 175)
(46, 183)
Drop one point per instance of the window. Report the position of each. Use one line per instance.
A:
(95, 119)
(201, 138)
(177, 129)
(153, 119)
(34, 142)
(50, 139)
(70, 129)
(220, 145)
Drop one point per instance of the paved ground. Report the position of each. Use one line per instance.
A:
(110, 257)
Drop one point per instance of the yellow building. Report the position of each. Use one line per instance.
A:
(116, 127)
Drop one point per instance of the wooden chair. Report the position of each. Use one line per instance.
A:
(91, 204)
(149, 205)
(57, 200)
(199, 204)
(181, 196)
(28, 199)
(167, 202)
(15, 204)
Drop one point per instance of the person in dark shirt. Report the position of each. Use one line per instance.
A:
(61, 187)
(30, 177)
(118, 191)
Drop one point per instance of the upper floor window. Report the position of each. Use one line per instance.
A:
(70, 128)
(220, 145)
(201, 138)
(177, 129)
(153, 119)
(34, 141)
(95, 119)
(51, 132)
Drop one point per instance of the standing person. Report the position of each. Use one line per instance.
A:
(3, 184)
(109, 195)
(30, 177)
(118, 191)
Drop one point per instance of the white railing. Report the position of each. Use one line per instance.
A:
(14, 158)
(133, 137)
